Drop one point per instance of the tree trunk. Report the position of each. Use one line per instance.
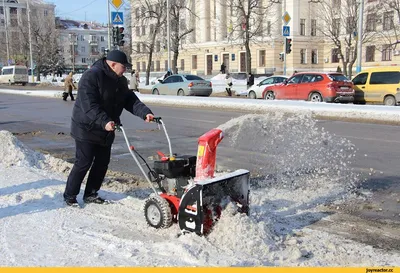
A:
(175, 62)
(38, 68)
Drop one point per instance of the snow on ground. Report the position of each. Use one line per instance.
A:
(37, 229)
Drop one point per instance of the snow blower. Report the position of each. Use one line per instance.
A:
(185, 188)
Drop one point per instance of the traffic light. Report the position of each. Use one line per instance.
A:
(120, 36)
(115, 36)
(288, 45)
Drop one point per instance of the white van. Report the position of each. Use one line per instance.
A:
(14, 74)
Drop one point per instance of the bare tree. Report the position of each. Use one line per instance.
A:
(179, 28)
(152, 13)
(389, 38)
(332, 15)
(247, 22)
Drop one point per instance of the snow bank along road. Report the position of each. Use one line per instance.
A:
(365, 113)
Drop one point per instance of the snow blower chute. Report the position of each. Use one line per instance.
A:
(185, 188)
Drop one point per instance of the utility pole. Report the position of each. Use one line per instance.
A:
(6, 29)
(109, 24)
(168, 37)
(30, 39)
(284, 43)
(359, 36)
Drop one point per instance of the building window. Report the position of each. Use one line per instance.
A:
(194, 62)
(158, 46)
(46, 12)
(13, 11)
(23, 11)
(138, 48)
(2, 22)
(82, 49)
(143, 66)
(1, 10)
(335, 55)
(336, 27)
(137, 13)
(269, 27)
(82, 38)
(386, 53)
(182, 65)
(152, 66)
(166, 65)
(302, 27)
(138, 66)
(371, 22)
(143, 30)
(83, 60)
(370, 54)
(151, 29)
(261, 58)
(313, 27)
(303, 57)
(102, 38)
(388, 20)
(138, 31)
(158, 68)
(314, 56)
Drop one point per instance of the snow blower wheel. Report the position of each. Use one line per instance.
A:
(157, 212)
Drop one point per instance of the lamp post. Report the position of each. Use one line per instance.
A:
(168, 37)
(359, 36)
(6, 29)
(72, 38)
(30, 39)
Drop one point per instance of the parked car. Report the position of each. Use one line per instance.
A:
(378, 85)
(256, 91)
(313, 86)
(183, 85)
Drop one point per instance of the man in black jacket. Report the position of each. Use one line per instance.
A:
(103, 94)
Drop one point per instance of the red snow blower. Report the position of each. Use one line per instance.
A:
(187, 191)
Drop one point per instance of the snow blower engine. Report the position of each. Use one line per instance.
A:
(185, 188)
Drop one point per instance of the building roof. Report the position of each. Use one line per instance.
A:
(75, 24)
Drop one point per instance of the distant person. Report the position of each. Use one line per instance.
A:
(68, 85)
(295, 72)
(223, 67)
(135, 80)
(250, 81)
(228, 81)
(169, 73)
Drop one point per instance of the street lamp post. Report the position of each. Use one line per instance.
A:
(359, 36)
(6, 29)
(30, 39)
(168, 37)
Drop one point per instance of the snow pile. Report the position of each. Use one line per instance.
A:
(17, 154)
(300, 155)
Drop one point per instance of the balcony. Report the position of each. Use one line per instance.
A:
(93, 42)
(94, 53)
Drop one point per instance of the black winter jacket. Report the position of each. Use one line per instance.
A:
(102, 96)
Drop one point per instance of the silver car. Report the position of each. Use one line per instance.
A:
(183, 85)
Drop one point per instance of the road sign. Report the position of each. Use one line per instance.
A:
(286, 18)
(286, 31)
(117, 18)
(117, 3)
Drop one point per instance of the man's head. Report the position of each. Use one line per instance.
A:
(118, 62)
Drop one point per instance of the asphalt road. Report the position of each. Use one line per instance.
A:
(43, 124)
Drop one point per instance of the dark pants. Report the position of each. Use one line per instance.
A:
(65, 95)
(88, 156)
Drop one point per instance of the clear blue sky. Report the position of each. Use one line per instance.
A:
(92, 10)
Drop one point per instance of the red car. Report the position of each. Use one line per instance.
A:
(313, 86)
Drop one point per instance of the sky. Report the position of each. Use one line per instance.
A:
(91, 10)
(279, 231)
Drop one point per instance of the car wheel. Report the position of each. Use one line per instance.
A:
(315, 97)
(155, 92)
(389, 100)
(181, 92)
(269, 95)
(252, 95)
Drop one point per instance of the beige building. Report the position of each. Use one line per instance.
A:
(216, 38)
(14, 27)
